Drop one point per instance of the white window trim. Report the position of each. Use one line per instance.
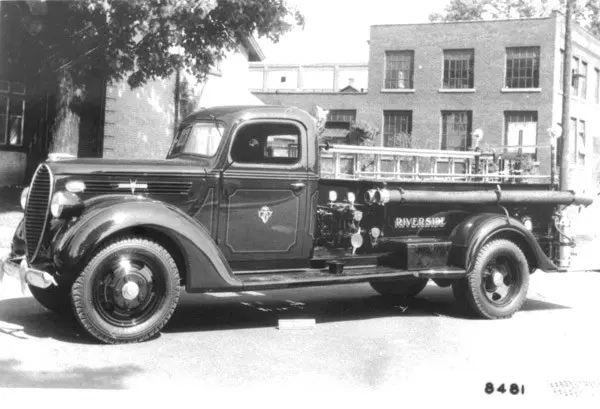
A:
(533, 90)
(456, 90)
(398, 90)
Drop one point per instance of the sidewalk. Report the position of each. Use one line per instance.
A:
(10, 216)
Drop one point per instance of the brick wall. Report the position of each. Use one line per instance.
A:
(12, 168)
(139, 123)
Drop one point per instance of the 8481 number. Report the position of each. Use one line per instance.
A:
(513, 389)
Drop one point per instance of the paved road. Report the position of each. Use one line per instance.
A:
(360, 342)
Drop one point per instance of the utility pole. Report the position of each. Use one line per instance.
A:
(564, 254)
(566, 100)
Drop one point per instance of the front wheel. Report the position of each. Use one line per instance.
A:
(403, 289)
(497, 285)
(127, 292)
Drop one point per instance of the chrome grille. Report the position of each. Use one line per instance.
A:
(37, 210)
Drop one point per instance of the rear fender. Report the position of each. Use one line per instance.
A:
(475, 231)
(204, 265)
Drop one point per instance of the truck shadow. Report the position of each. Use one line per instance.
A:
(80, 377)
(32, 320)
(194, 315)
(204, 313)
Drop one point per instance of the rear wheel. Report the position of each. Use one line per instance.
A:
(407, 288)
(497, 285)
(127, 292)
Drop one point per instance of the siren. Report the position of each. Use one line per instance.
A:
(477, 137)
(555, 132)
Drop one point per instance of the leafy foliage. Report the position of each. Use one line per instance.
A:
(141, 40)
(587, 12)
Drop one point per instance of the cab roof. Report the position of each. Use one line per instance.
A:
(246, 112)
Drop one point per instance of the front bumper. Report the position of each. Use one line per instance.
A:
(19, 269)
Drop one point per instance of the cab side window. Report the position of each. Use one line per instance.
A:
(267, 143)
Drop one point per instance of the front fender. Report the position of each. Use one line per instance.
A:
(473, 232)
(206, 267)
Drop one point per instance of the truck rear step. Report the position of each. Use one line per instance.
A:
(316, 277)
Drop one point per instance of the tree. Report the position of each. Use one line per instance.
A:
(587, 12)
(135, 40)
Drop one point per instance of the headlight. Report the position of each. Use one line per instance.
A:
(24, 194)
(351, 197)
(332, 195)
(65, 204)
(527, 223)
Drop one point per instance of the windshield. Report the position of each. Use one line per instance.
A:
(200, 138)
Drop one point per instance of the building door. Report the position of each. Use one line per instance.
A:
(521, 131)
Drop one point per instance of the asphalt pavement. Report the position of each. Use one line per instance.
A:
(360, 342)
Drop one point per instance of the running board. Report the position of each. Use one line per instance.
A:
(320, 277)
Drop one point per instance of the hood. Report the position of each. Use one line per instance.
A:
(93, 166)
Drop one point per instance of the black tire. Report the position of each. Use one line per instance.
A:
(54, 298)
(497, 285)
(403, 289)
(116, 307)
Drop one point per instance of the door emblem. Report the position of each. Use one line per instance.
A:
(265, 214)
(132, 185)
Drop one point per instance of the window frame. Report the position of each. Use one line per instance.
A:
(408, 114)
(470, 60)
(575, 80)
(579, 136)
(299, 164)
(535, 68)
(341, 119)
(411, 69)
(583, 84)
(6, 91)
(469, 130)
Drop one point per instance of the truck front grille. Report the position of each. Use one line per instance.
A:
(37, 210)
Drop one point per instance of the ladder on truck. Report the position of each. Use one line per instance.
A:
(503, 164)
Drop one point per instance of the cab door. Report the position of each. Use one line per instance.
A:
(262, 211)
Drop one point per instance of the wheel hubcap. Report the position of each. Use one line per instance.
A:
(128, 290)
(498, 282)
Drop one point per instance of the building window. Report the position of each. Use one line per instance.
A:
(458, 68)
(399, 67)
(521, 131)
(342, 117)
(597, 86)
(397, 129)
(574, 77)
(580, 144)
(523, 67)
(12, 113)
(338, 124)
(583, 79)
(456, 130)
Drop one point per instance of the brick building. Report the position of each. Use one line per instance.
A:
(435, 83)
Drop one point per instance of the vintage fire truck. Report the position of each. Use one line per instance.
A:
(247, 199)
